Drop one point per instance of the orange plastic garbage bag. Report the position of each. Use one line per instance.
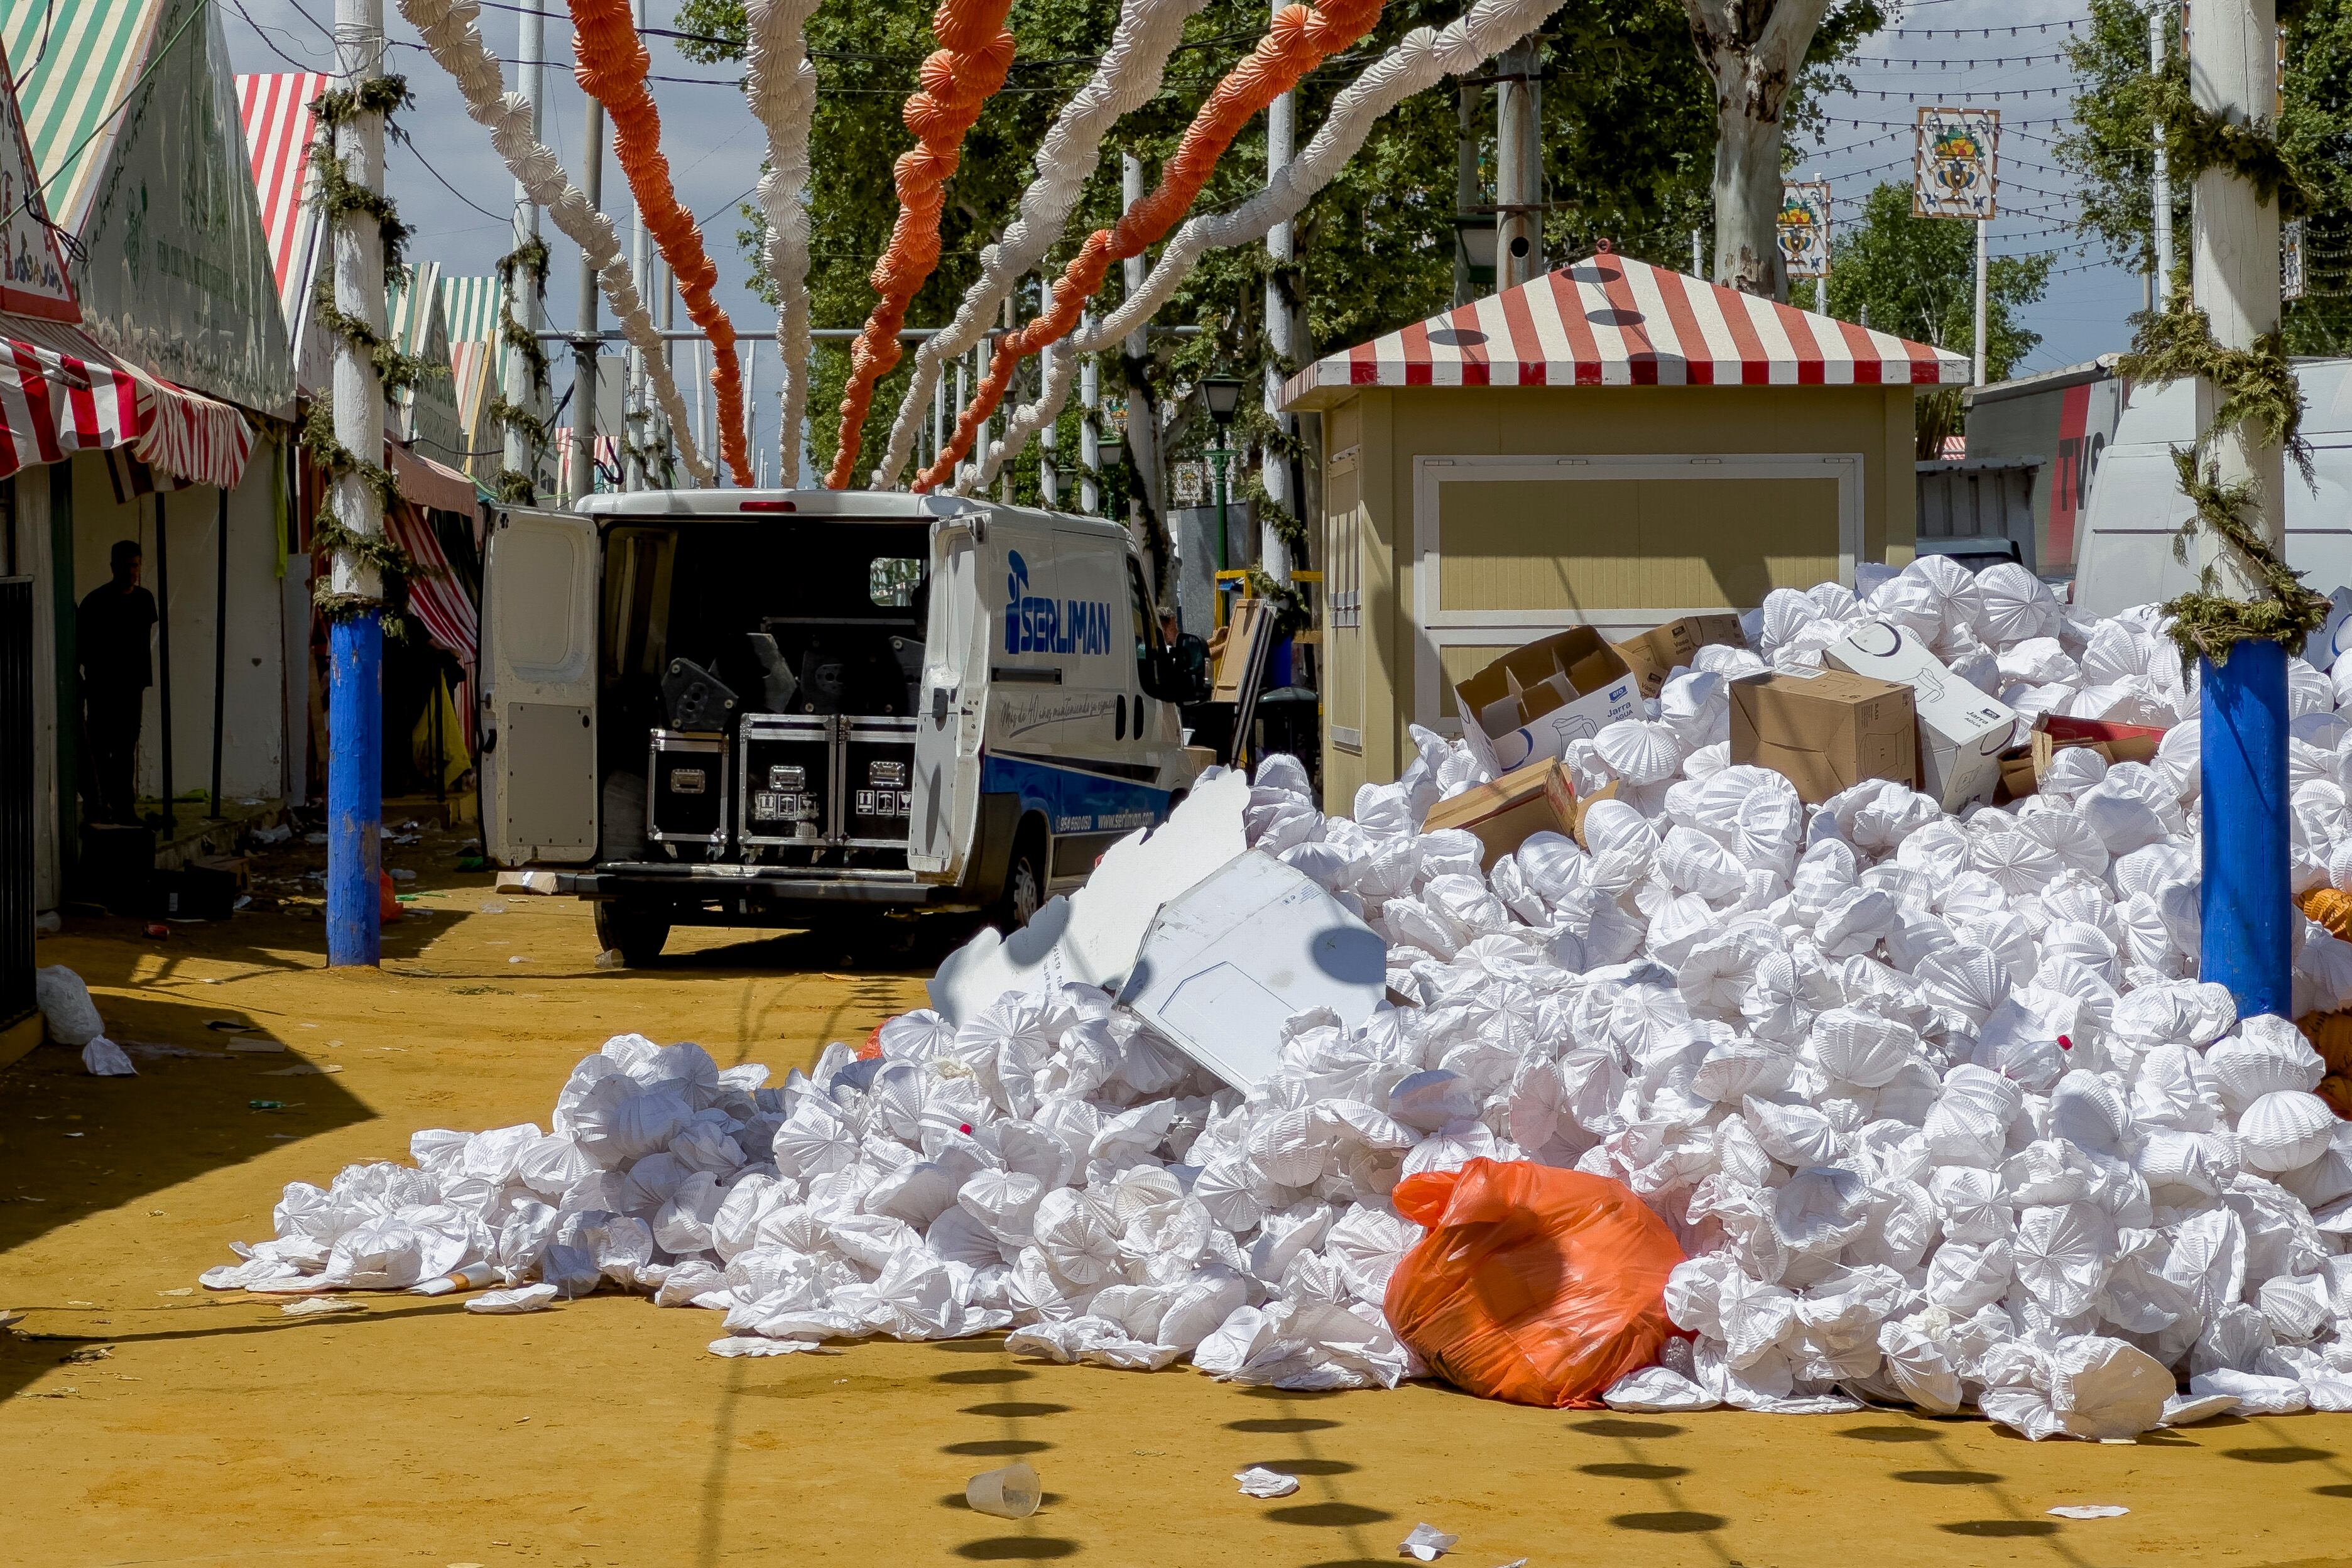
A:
(1535, 1285)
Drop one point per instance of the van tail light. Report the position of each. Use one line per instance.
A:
(765, 505)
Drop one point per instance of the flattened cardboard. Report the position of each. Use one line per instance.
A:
(1962, 731)
(1224, 965)
(2054, 733)
(1505, 812)
(1249, 621)
(1652, 656)
(1531, 702)
(1824, 730)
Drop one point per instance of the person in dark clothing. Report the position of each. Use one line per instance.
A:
(111, 642)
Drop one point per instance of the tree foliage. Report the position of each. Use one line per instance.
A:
(1915, 277)
(1629, 131)
(2111, 149)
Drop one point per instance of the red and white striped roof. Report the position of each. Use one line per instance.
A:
(1611, 321)
(276, 110)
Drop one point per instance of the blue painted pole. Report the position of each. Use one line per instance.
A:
(2246, 908)
(355, 790)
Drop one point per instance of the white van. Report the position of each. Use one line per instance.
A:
(782, 708)
(2126, 554)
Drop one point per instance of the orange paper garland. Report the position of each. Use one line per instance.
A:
(611, 63)
(1298, 40)
(974, 54)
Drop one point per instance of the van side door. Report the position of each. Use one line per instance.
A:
(944, 806)
(538, 768)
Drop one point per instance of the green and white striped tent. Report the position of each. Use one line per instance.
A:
(131, 111)
(426, 415)
(471, 308)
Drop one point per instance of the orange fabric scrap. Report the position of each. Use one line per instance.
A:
(1299, 39)
(974, 54)
(611, 62)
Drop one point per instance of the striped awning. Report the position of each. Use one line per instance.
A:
(76, 64)
(61, 394)
(276, 110)
(471, 305)
(1611, 321)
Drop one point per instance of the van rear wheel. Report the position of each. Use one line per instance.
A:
(1025, 883)
(635, 933)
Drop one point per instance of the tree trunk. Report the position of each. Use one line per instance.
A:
(1753, 51)
(1747, 191)
(1149, 519)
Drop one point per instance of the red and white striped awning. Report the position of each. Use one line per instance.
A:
(1611, 321)
(61, 392)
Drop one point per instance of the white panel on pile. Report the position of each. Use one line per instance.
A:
(1091, 937)
(1223, 967)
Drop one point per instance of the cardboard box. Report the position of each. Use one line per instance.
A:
(1227, 964)
(1962, 731)
(1824, 730)
(1531, 702)
(1652, 656)
(1504, 813)
(2018, 776)
(2054, 733)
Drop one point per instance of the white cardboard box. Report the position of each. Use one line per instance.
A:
(1227, 963)
(1962, 731)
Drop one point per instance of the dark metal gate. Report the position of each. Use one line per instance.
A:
(16, 771)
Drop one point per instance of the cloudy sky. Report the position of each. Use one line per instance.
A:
(452, 187)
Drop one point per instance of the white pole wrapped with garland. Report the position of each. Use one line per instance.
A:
(781, 84)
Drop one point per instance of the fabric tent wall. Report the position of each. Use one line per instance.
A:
(253, 750)
(133, 116)
(469, 308)
(426, 415)
(278, 126)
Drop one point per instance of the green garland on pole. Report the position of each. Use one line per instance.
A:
(526, 261)
(2198, 139)
(338, 196)
(2258, 388)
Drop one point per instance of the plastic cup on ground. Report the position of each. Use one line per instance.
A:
(1010, 1493)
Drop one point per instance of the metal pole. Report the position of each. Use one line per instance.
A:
(2247, 920)
(1219, 455)
(2160, 16)
(634, 399)
(1010, 316)
(1519, 168)
(1281, 337)
(1089, 428)
(521, 389)
(1049, 476)
(1466, 186)
(220, 648)
(583, 347)
(355, 641)
(1698, 257)
(1982, 226)
(164, 663)
(752, 406)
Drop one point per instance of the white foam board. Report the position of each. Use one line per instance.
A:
(1227, 964)
(1090, 936)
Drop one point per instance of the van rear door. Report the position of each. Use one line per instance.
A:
(944, 810)
(539, 695)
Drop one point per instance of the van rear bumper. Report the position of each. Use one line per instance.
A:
(759, 886)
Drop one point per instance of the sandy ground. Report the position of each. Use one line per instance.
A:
(144, 1422)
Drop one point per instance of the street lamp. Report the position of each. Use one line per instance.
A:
(1222, 394)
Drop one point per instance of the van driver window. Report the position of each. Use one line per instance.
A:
(892, 581)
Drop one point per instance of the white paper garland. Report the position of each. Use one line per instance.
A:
(455, 44)
(1126, 78)
(1419, 60)
(781, 84)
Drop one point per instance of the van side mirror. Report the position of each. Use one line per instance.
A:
(1178, 674)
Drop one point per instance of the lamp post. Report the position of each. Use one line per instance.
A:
(1222, 394)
